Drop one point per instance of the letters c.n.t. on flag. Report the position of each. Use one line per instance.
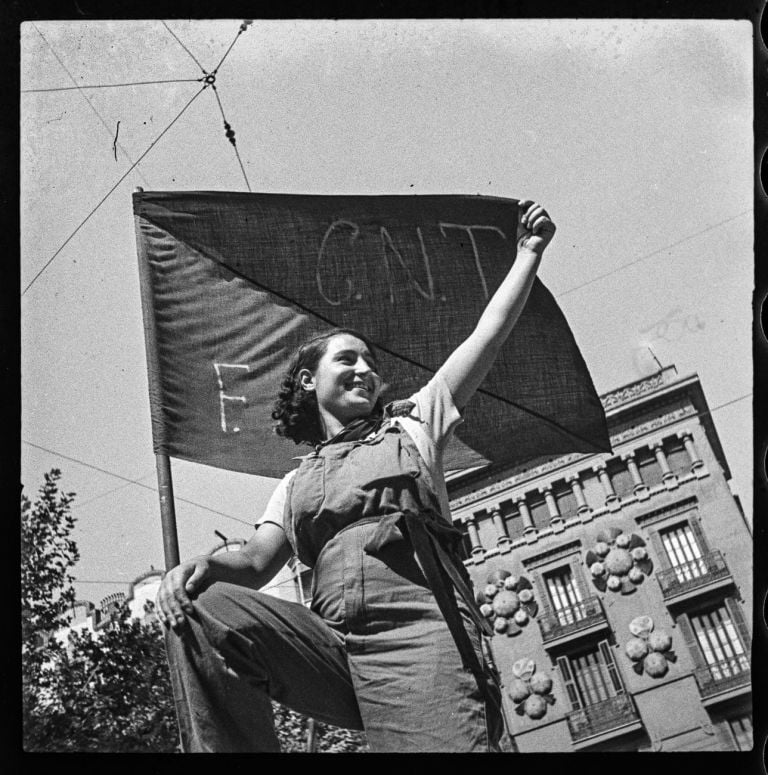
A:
(232, 283)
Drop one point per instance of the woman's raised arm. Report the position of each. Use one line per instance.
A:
(469, 363)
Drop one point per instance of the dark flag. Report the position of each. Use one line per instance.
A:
(232, 283)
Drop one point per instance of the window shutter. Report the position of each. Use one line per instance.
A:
(540, 587)
(686, 630)
(570, 685)
(613, 672)
(577, 574)
(737, 616)
(659, 550)
(701, 540)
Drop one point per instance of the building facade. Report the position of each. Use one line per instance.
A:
(619, 585)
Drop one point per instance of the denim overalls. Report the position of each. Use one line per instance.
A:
(392, 643)
(365, 515)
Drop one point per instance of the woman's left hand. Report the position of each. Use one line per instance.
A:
(535, 228)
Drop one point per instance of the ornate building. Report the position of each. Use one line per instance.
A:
(619, 585)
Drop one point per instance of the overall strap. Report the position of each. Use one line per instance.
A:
(439, 567)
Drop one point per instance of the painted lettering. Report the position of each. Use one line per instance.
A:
(321, 255)
(387, 243)
(226, 400)
(469, 229)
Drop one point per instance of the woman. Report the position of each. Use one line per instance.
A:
(393, 642)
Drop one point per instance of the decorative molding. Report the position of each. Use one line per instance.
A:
(556, 553)
(618, 438)
(672, 510)
(636, 389)
(658, 422)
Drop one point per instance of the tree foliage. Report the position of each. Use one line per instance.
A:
(293, 728)
(47, 555)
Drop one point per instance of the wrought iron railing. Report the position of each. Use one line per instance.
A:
(602, 717)
(567, 621)
(724, 675)
(692, 575)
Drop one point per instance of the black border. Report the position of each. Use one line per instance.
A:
(13, 12)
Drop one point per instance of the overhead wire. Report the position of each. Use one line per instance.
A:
(134, 482)
(243, 27)
(179, 41)
(653, 253)
(85, 97)
(110, 85)
(230, 133)
(120, 180)
(208, 81)
(81, 504)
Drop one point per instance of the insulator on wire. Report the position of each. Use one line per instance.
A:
(229, 132)
(246, 23)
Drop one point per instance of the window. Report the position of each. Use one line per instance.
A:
(684, 551)
(512, 519)
(650, 470)
(716, 636)
(677, 457)
(621, 479)
(564, 595)
(539, 513)
(590, 676)
(566, 500)
(741, 729)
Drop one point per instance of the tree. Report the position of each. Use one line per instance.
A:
(111, 691)
(47, 555)
(106, 691)
(292, 728)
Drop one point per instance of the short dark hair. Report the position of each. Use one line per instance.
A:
(296, 409)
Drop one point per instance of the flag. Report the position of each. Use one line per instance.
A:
(233, 283)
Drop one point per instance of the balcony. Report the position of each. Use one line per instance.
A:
(583, 618)
(725, 679)
(687, 580)
(606, 719)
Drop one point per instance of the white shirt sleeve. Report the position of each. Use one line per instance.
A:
(276, 504)
(436, 412)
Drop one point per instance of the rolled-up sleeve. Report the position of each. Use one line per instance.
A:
(437, 411)
(276, 504)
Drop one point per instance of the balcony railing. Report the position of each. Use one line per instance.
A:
(602, 717)
(724, 675)
(568, 621)
(692, 575)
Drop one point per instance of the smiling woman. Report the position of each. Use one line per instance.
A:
(332, 379)
(393, 642)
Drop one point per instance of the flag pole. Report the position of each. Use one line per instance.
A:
(162, 461)
(167, 510)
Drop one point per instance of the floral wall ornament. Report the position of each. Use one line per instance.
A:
(649, 649)
(508, 601)
(618, 561)
(530, 691)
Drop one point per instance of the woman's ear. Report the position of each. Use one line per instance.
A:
(306, 380)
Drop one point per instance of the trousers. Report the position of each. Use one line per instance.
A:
(373, 653)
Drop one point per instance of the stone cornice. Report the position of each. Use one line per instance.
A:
(556, 553)
(671, 510)
(553, 465)
(639, 388)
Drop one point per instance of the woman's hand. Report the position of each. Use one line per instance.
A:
(469, 363)
(173, 597)
(535, 228)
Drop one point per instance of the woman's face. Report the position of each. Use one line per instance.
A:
(345, 381)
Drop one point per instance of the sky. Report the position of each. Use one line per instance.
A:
(635, 135)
